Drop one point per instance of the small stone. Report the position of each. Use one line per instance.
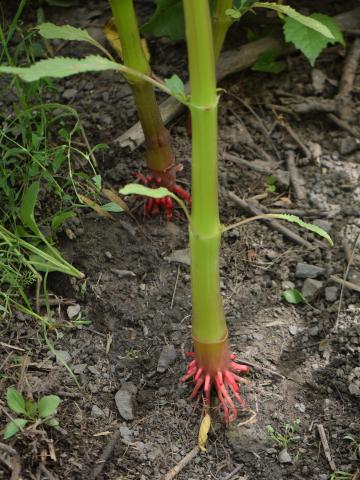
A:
(311, 288)
(73, 311)
(323, 476)
(69, 93)
(142, 287)
(293, 329)
(124, 400)
(354, 277)
(62, 356)
(301, 407)
(123, 273)
(167, 357)
(80, 368)
(180, 256)
(331, 293)
(97, 412)
(93, 387)
(314, 331)
(286, 284)
(318, 80)
(126, 434)
(284, 456)
(92, 369)
(305, 270)
(282, 178)
(348, 145)
(108, 255)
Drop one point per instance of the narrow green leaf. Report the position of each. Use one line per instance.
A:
(27, 207)
(308, 21)
(137, 189)
(61, 67)
(13, 427)
(308, 226)
(58, 219)
(15, 401)
(47, 405)
(112, 207)
(64, 32)
(292, 295)
(97, 181)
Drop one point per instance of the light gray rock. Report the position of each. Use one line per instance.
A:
(180, 256)
(126, 434)
(97, 412)
(305, 270)
(311, 288)
(69, 93)
(167, 357)
(331, 293)
(62, 356)
(123, 273)
(284, 456)
(293, 329)
(73, 311)
(124, 400)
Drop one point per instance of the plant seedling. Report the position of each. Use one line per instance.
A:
(31, 412)
(284, 438)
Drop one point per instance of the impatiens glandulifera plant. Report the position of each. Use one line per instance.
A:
(160, 157)
(212, 364)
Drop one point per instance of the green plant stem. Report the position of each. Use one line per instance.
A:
(159, 157)
(209, 324)
(221, 24)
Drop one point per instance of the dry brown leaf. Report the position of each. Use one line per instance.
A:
(203, 432)
(113, 197)
(112, 37)
(95, 206)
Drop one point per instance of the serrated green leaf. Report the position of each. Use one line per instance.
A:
(307, 21)
(27, 207)
(51, 31)
(13, 427)
(267, 62)
(112, 207)
(47, 405)
(61, 67)
(137, 189)
(15, 401)
(292, 295)
(176, 86)
(310, 42)
(308, 226)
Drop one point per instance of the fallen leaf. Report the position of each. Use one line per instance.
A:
(113, 197)
(203, 432)
(95, 206)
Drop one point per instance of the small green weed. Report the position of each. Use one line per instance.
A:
(42, 411)
(288, 435)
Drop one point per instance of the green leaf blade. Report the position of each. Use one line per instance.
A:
(15, 401)
(28, 206)
(294, 296)
(13, 427)
(50, 31)
(137, 189)
(47, 405)
(308, 226)
(61, 67)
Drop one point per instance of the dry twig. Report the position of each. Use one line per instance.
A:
(15, 463)
(326, 447)
(296, 181)
(349, 71)
(182, 464)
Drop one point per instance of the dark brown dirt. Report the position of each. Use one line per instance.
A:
(302, 369)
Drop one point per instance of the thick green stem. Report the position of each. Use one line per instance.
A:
(159, 157)
(209, 326)
(221, 24)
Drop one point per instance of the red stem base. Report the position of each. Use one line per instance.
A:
(155, 205)
(224, 380)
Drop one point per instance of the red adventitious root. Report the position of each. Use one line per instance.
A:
(156, 205)
(225, 382)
